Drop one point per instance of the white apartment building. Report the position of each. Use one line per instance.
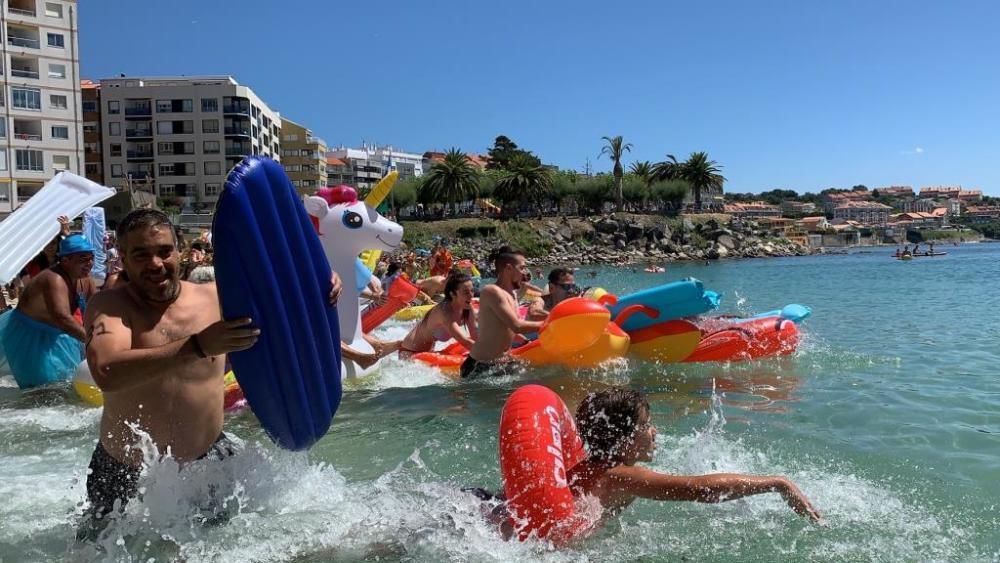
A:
(370, 163)
(40, 116)
(185, 133)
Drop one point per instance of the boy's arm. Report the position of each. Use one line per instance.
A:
(717, 487)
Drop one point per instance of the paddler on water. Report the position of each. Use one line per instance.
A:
(156, 347)
(42, 339)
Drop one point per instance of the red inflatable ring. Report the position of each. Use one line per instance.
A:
(538, 446)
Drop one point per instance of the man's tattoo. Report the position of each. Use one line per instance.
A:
(96, 329)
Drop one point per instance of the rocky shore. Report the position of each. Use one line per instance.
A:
(630, 239)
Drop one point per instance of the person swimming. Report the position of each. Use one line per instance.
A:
(444, 321)
(617, 432)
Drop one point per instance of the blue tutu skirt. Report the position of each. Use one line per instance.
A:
(37, 353)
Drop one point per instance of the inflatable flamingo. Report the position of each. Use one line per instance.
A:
(346, 226)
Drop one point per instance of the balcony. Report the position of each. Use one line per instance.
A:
(25, 42)
(138, 111)
(24, 72)
(25, 12)
(241, 131)
(238, 151)
(236, 109)
(139, 155)
(138, 133)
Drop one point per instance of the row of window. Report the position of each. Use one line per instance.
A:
(163, 149)
(211, 168)
(210, 189)
(30, 160)
(179, 105)
(31, 98)
(185, 126)
(56, 132)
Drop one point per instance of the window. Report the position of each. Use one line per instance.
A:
(114, 106)
(210, 126)
(210, 147)
(27, 98)
(3, 159)
(3, 127)
(164, 127)
(92, 148)
(58, 101)
(167, 169)
(60, 132)
(56, 40)
(163, 106)
(30, 160)
(60, 162)
(89, 106)
(211, 189)
(91, 169)
(166, 189)
(116, 149)
(53, 10)
(290, 138)
(165, 148)
(209, 104)
(213, 168)
(114, 128)
(116, 170)
(90, 127)
(57, 71)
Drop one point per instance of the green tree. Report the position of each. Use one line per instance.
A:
(404, 193)
(616, 148)
(592, 193)
(504, 151)
(702, 174)
(643, 170)
(669, 169)
(452, 180)
(524, 179)
(670, 193)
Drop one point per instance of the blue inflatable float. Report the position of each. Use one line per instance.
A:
(676, 300)
(269, 266)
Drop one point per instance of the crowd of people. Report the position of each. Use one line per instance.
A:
(156, 345)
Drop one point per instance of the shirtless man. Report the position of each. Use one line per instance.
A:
(156, 347)
(562, 286)
(498, 318)
(41, 338)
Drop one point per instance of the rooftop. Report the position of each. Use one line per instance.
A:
(863, 205)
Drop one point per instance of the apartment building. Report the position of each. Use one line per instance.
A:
(185, 133)
(864, 212)
(40, 125)
(370, 163)
(303, 156)
(93, 162)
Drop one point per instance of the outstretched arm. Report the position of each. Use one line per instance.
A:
(718, 487)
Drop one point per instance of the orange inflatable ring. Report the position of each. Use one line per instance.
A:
(448, 359)
(538, 445)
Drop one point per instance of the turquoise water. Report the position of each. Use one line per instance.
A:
(888, 418)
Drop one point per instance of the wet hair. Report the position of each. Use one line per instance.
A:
(557, 274)
(505, 255)
(455, 280)
(607, 421)
(143, 219)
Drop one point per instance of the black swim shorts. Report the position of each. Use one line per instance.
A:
(111, 483)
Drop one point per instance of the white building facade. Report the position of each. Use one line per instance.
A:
(185, 133)
(41, 129)
(370, 163)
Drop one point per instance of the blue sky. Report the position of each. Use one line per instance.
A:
(799, 94)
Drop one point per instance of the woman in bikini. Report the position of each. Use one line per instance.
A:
(445, 320)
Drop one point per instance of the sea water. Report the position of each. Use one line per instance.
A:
(887, 417)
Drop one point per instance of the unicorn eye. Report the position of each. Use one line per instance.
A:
(353, 220)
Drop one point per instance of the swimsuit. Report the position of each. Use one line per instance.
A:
(472, 367)
(111, 483)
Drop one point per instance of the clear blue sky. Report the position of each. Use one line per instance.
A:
(798, 94)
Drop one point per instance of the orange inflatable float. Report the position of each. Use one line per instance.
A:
(539, 444)
(573, 326)
(728, 341)
(449, 359)
(670, 341)
(401, 292)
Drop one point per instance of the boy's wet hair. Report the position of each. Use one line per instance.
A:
(607, 421)
(557, 274)
(140, 219)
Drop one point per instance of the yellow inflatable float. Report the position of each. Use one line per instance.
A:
(90, 393)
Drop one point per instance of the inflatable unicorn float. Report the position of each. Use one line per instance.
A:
(346, 226)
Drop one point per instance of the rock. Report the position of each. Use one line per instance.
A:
(607, 226)
(634, 231)
(565, 232)
(687, 225)
(727, 242)
(710, 225)
(713, 253)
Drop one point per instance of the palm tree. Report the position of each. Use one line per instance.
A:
(615, 149)
(523, 179)
(702, 174)
(669, 169)
(452, 180)
(643, 170)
